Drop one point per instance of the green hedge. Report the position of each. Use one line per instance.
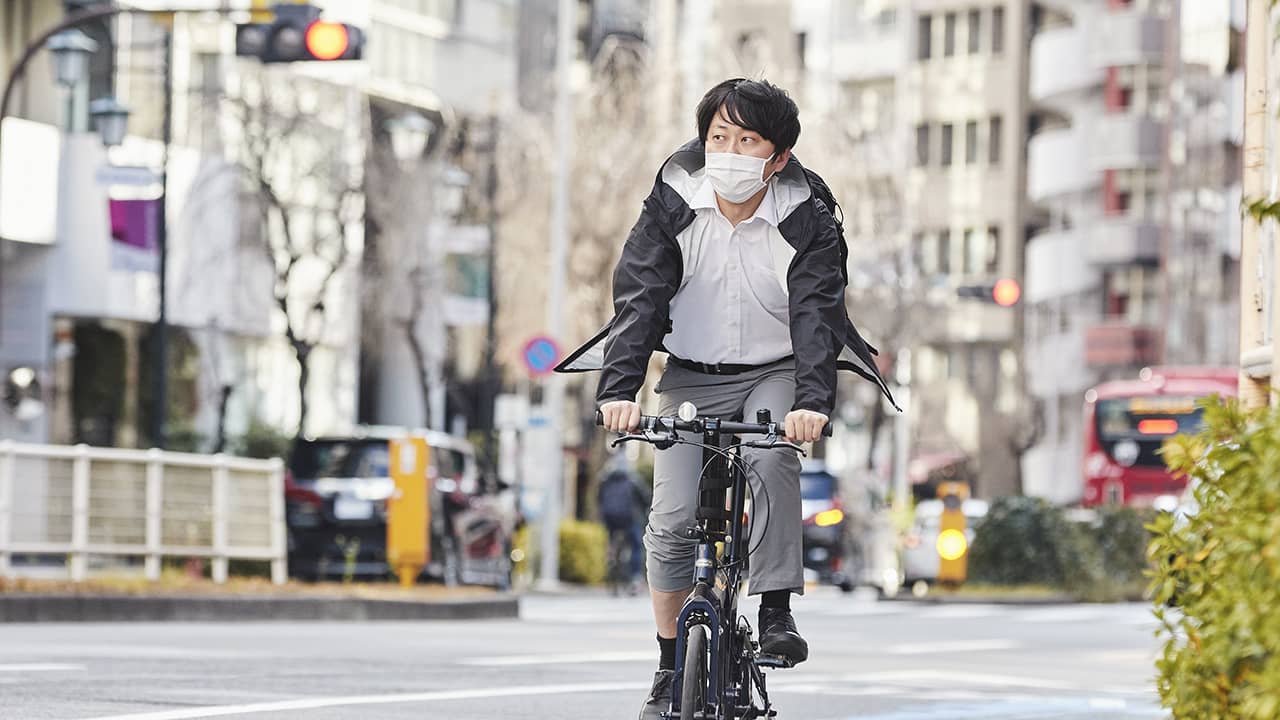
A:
(1027, 541)
(583, 546)
(1221, 566)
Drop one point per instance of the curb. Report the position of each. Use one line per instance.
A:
(29, 608)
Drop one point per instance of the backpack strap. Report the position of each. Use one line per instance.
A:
(822, 193)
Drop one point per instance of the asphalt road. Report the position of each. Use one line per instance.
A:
(586, 657)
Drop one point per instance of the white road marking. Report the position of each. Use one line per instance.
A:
(350, 700)
(942, 678)
(963, 612)
(1059, 613)
(930, 648)
(563, 659)
(40, 667)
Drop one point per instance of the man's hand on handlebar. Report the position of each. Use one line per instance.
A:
(803, 426)
(620, 416)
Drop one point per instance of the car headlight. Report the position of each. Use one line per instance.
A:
(827, 518)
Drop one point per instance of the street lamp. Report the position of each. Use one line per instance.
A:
(111, 118)
(71, 50)
(409, 134)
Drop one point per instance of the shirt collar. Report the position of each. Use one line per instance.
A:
(705, 199)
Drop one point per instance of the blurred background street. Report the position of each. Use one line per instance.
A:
(282, 286)
(589, 656)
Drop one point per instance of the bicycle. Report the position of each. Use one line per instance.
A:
(618, 563)
(719, 667)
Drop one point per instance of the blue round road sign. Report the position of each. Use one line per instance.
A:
(541, 355)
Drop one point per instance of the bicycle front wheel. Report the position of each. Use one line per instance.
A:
(693, 690)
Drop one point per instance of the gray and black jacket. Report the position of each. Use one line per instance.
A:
(651, 271)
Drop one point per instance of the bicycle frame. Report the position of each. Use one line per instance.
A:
(714, 599)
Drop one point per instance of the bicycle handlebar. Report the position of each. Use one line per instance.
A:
(654, 423)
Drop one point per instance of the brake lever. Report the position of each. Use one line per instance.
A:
(771, 442)
(662, 441)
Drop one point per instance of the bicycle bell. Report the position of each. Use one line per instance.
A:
(687, 411)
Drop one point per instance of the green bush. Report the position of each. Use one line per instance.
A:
(261, 440)
(1027, 541)
(1221, 565)
(582, 552)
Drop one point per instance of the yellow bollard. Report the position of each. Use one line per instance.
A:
(953, 544)
(409, 510)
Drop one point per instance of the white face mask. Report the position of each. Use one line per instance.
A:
(736, 177)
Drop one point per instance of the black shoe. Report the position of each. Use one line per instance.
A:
(779, 637)
(659, 700)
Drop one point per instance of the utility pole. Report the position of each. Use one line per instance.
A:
(553, 397)
(1253, 329)
(160, 371)
(490, 394)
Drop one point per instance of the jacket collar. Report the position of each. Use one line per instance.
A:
(704, 198)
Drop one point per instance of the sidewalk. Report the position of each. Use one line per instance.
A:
(184, 600)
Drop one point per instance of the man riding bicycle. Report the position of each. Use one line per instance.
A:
(736, 270)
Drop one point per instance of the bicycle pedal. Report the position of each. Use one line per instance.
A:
(774, 662)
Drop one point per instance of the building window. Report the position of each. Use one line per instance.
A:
(924, 38)
(972, 252)
(944, 252)
(947, 139)
(971, 142)
(997, 31)
(993, 250)
(922, 145)
(949, 34)
(981, 251)
(994, 135)
(975, 31)
(924, 254)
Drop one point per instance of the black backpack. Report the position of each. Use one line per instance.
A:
(823, 193)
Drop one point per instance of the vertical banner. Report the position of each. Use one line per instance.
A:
(135, 232)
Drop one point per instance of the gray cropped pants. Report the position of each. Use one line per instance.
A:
(777, 563)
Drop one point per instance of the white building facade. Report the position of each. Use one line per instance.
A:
(1133, 189)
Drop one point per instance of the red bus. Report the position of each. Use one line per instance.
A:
(1126, 421)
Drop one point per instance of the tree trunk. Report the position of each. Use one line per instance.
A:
(875, 424)
(225, 395)
(303, 353)
(420, 365)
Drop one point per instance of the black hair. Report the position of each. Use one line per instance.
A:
(757, 105)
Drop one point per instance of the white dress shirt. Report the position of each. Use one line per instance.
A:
(732, 305)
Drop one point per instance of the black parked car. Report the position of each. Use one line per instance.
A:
(336, 494)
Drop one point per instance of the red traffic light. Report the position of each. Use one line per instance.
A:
(327, 40)
(1006, 292)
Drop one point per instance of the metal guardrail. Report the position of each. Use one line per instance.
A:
(80, 502)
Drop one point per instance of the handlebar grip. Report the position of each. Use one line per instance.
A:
(599, 418)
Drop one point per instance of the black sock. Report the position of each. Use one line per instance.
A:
(776, 599)
(667, 660)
